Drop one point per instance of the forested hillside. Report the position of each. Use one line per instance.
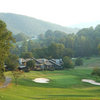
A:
(31, 26)
(57, 44)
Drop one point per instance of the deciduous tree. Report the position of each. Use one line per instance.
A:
(5, 44)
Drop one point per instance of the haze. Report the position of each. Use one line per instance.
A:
(63, 12)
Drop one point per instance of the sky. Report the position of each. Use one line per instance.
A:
(62, 12)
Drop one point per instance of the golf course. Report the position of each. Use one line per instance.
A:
(63, 85)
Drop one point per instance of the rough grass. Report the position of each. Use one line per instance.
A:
(92, 62)
(64, 85)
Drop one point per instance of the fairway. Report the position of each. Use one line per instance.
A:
(63, 85)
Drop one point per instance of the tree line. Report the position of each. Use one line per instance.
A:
(57, 44)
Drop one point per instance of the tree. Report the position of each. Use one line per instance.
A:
(6, 40)
(68, 62)
(79, 62)
(16, 74)
(15, 50)
(12, 65)
(56, 50)
(21, 37)
(41, 36)
(27, 55)
(24, 47)
(32, 45)
(30, 64)
(12, 62)
(68, 52)
(40, 52)
(98, 48)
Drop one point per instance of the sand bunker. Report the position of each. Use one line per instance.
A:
(90, 81)
(41, 80)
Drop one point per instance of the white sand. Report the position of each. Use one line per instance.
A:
(41, 80)
(90, 81)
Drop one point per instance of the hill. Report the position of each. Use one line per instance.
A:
(31, 26)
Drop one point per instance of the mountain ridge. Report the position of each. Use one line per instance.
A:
(24, 24)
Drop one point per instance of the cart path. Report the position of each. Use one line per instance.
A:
(6, 83)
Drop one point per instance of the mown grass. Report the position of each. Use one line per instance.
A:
(64, 85)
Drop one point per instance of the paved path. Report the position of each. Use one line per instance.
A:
(6, 83)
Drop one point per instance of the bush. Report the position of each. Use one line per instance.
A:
(96, 71)
(68, 62)
(79, 62)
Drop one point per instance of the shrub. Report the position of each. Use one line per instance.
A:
(96, 71)
(68, 62)
(79, 62)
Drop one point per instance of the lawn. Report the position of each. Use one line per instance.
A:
(64, 85)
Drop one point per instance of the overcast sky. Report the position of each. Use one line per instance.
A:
(63, 12)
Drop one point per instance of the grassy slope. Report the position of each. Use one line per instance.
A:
(64, 85)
